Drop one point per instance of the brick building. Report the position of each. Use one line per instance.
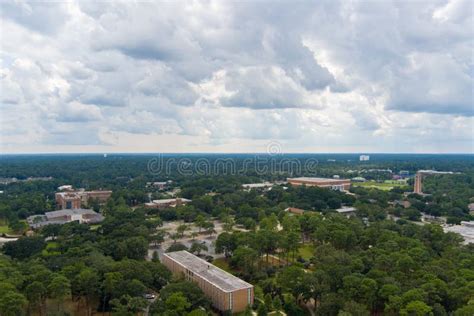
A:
(76, 199)
(226, 291)
(334, 184)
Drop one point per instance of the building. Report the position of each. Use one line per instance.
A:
(264, 185)
(466, 230)
(348, 211)
(160, 185)
(470, 206)
(364, 158)
(420, 174)
(226, 291)
(86, 216)
(66, 187)
(358, 179)
(294, 210)
(334, 184)
(76, 199)
(164, 203)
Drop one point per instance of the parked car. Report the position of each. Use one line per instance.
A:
(149, 296)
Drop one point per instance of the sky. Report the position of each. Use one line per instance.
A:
(246, 76)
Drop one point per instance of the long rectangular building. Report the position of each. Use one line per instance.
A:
(335, 184)
(76, 199)
(226, 291)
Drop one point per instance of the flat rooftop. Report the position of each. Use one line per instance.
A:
(314, 179)
(218, 277)
(70, 212)
(166, 201)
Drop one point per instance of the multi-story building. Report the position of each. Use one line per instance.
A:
(165, 203)
(65, 216)
(334, 184)
(226, 291)
(76, 199)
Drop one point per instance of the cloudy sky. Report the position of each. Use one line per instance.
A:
(221, 76)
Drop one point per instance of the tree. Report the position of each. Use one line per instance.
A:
(197, 312)
(24, 247)
(12, 304)
(245, 258)
(59, 290)
(177, 304)
(277, 304)
(197, 247)
(36, 294)
(268, 301)
(51, 230)
(200, 222)
(294, 280)
(127, 305)
(181, 229)
(416, 308)
(262, 310)
(225, 243)
(157, 238)
(176, 247)
(88, 282)
(111, 285)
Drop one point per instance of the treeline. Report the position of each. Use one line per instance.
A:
(81, 269)
(384, 268)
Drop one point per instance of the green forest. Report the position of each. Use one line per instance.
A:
(383, 260)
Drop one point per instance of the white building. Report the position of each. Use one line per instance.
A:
(364, 158)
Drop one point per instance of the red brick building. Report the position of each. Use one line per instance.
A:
(77, 199)
(226, 291)
(334, 184)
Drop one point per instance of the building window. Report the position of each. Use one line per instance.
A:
(68, 205)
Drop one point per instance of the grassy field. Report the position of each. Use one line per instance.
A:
(223, 264)
(306, 251)
(50, 249)
(386, 185)
(4, 229)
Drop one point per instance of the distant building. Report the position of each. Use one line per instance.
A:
(347, 211)
(86, 216)
(419, 176)
(263, 185)
(164, 203)
(160, 185)
(294, 210)
(66, 187)
(75, 199)
(471, 208)
(364, 158)
(358, 179)
(226, 291)
(466, 230)
(334, 184)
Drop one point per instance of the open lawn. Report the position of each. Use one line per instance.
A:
(95, 226)
(223, 264)
(385, 186)
(4, 229)
(50, 249)
(306, 251)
